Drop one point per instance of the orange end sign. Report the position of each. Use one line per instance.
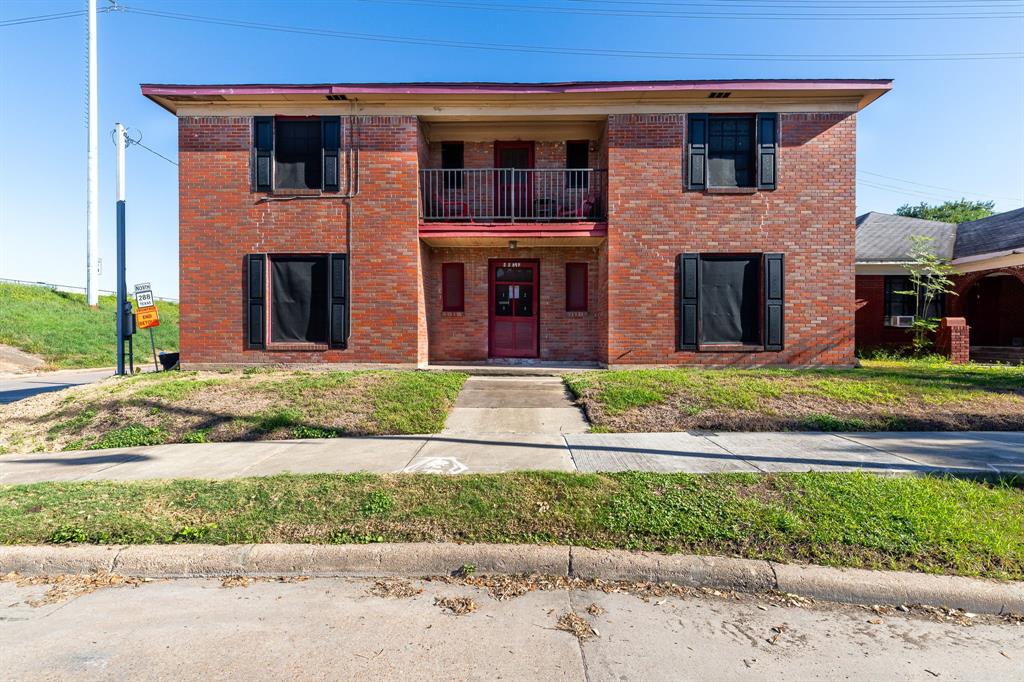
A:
(147, 317)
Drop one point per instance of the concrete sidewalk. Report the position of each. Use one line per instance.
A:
(454, 453)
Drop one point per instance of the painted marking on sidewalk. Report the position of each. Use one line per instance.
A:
(437, 465)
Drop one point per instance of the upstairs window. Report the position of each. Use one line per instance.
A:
(731, 151)
(297, 154)
(577, 156)
(453, 161)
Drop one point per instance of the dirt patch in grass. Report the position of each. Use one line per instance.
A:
(880, 396)
(198, 407)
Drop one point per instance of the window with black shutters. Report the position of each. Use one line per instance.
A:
(297, 149)
(730, 155)
(452, 161)
(453, 282)
(730, 299)
(577, 155)
(576, 287)
(299, 299)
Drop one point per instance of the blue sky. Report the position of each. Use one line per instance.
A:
(949, 124)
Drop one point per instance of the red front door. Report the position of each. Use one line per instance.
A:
(514, 295)
(513, 181)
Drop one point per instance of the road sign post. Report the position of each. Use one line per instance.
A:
(147, 317)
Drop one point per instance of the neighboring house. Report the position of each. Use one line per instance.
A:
(618, 223)
(988, 254)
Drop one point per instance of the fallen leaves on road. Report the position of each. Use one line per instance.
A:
(595, 610)
(777, 631)
(394, 588)
(236, 581)
(577, 625)
(245, 580)
(460, 606)
(66, 586)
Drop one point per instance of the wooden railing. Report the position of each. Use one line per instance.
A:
(513, 194)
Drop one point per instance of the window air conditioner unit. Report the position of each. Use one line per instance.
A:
(903, 320)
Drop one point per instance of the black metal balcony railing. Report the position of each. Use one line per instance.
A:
(513, 194)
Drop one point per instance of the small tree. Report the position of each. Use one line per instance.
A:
(930, 278)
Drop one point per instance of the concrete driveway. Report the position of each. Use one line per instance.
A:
(18, 386)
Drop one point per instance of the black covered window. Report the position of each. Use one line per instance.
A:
(298, 303)
(453, 161)
(577, 155)
(731, 300)
(730, 294)
(297, 162)
(731, 161)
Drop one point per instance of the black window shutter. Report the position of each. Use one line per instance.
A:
(340, 315)
(697, 151)
(689, 294)
(256, 299)
(774, 301)
(331, 137)
(767, 149)
(263, 141)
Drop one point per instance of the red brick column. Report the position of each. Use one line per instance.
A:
(954, 339)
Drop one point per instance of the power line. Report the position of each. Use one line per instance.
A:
(876, 13)
(599, 52)
(910, 192)
(46, 17)
(947, 189)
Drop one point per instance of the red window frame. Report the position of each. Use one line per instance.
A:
(569, 268)
(459, 304)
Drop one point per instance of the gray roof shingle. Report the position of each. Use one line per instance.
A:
(884, 238)
(997, 233)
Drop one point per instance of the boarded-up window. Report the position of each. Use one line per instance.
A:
(577, 156)
(576, 287)
(453, 161)
(297, 162)
(730, 151)
(730, 297)
(453, 298)
(298, 304)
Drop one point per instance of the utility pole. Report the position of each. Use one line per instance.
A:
(122, 305)
(92, 255)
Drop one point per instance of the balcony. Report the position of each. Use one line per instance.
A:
(505, 196)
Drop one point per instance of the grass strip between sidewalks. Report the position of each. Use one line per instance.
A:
(932, 524)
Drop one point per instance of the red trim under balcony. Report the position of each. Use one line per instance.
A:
(513, 230)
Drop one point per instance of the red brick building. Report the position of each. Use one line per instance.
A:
(988, 256)
(615, 223)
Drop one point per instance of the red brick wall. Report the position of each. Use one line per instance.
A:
(464, 336)
(809, 218)
(222, 220)
(870, 330)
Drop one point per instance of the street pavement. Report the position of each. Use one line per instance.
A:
(444, 453)
(338, 629)
(18, 386)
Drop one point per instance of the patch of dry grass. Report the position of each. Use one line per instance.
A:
(196, 407)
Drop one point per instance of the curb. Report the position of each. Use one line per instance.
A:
(410, 560)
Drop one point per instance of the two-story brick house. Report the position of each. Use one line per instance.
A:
(620, 223)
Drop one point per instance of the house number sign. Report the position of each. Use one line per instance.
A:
(513, 264)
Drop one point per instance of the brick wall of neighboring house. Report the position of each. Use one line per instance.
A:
(564, 335)
(221, 220)
(809, 218)
(871, 331)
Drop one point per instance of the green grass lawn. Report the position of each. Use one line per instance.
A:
(253, 404)
(880, 395)
(63, 330)
(934, 524)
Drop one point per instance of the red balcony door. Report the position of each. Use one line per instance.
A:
(514, 294)
(513, 183)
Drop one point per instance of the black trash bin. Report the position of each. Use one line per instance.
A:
(169, 361)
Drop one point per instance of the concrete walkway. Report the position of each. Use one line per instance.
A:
(513, 404)
(454, 453)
